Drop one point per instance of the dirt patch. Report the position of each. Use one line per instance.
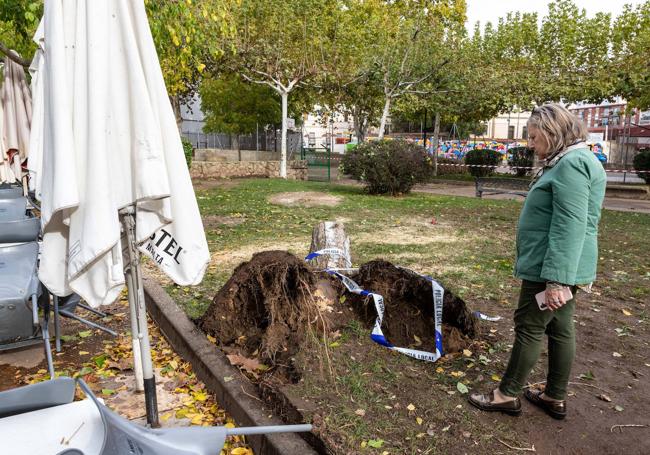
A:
(215, 221)
(409, 314)
(305, 199)
(209, 184)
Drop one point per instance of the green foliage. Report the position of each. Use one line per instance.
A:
(521, 157)
(236, 107)
(18, 22)
(642, 163)
(482, 157)
(188, 149)
(388, 167)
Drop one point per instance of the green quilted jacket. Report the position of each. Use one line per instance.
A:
(557, 233)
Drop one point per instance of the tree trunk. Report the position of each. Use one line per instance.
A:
(360, 124)
(176, 106)
(436, 139)
(330, 235)
(384, 117)
(283, 145)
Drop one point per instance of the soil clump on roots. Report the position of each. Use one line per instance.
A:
(409, 314)
(266, 309)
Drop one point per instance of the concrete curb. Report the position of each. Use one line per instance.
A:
(236, 394)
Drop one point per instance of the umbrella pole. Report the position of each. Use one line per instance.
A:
(136, 301)
(135, 341)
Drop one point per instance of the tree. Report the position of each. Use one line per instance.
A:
(236, 107)
(283, 45)
(18, 22)
(630, 49)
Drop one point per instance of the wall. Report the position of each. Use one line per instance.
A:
(296, 170)
(234, 155)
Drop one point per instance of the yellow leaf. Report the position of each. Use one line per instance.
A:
(197, 419)
(84, 352)
(212, 339)
(165, 417)
(411, 407)
(457, 374)
(467, 353)
(440, 370)
(200, 396)
(201, 67)
(241, 451)
(419, 420)
(176, 41)
(418, 341)
(364, 444)
(496, 377)
(229, 425)
(626, 313)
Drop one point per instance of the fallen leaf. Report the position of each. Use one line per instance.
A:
(376, 443)
(108, 391)
(440, 370)
(462, 388)
(411, 407)
(619, 408)
(212, 339)
(604, 397)
(496, 377)
(85, 333)
(446, 428)
(84, 352)
(467, 353)
(626, 313)
(250, 365)
(240, 451)
(617, 354)
(466, 434)
(419, 420)
(418, 341)
(360, 412)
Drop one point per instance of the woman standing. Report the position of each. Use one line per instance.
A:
(557, 252)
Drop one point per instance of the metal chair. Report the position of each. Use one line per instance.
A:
(120, 436)
(20, 290)
(66, 306)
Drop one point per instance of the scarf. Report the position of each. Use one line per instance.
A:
(553, 159)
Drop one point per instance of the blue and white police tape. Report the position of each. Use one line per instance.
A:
(485, 317)
(330, 252)
(378, 336)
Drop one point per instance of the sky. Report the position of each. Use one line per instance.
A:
(491, 10)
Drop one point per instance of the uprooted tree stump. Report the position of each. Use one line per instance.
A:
(409, 312)
(330, 235)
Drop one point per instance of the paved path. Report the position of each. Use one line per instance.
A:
(468, 190)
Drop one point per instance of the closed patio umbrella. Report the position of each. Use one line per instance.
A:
(110, 170)
(15, 119)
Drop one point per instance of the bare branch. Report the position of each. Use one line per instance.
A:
(13, 55)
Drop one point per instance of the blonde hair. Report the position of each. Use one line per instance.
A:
(559, 127)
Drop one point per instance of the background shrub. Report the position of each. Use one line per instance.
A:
(388, 167)
(521, 157)
(642, 163)
(482, 157)
(188, 149)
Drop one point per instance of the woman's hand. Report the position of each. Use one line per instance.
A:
(554, 296)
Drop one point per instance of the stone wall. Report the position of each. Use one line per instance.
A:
(234, 155)
(296, 170)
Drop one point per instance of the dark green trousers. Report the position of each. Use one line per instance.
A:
(531, 324)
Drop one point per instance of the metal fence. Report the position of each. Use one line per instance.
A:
(268, 141)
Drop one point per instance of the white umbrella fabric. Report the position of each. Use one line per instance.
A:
(109, 158)
(16, 118)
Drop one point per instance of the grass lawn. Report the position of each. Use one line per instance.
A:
(468, 244)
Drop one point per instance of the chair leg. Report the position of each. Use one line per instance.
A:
(57, 328)
(67, 314)
(92, 310)
(45, 331)
(34, 310)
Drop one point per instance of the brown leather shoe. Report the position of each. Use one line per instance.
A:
(556, 409)
(485, 402)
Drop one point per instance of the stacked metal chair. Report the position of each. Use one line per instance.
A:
(20, 289)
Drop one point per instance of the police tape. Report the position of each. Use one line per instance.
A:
(330, 252)
(377, 335)
(494, 166)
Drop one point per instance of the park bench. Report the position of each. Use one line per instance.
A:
(496, 185)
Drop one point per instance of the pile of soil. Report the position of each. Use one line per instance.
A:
(265, 308)
(272, 303)
(409, 313)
